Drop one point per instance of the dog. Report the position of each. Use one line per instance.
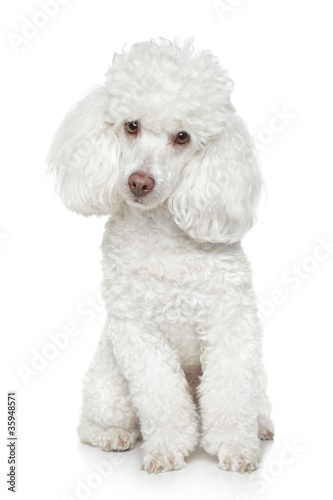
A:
(163, 153)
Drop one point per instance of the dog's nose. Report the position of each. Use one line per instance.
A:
(140, 185)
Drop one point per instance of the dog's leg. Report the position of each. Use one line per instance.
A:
(230, 389)
(266, 427)
(160, 393)
(108, 418)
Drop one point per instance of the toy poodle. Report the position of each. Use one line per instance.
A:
(163, 153)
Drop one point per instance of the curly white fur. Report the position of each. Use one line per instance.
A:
(177, 286)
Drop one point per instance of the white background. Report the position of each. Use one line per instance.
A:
(279, 55)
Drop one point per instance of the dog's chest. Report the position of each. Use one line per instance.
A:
(159, 273)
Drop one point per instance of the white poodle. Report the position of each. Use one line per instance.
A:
(161, 150)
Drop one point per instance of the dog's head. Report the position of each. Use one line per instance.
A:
(161, 130)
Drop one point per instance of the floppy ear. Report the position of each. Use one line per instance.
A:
(219, 189)
(85, 157)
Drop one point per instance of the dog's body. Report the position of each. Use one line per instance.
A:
(182, 325)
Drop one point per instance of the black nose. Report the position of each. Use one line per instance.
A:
(140, 184)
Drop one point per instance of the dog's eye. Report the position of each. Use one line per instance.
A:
(132, 127)
(182, 138)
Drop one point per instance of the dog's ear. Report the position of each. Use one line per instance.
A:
(219, 189)
(85, 157)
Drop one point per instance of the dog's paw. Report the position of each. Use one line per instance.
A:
(116, 439)
(266, 428)
(265, 434)
(162, 461)
(237, 461)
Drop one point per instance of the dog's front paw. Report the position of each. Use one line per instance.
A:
(116, 439)
(162, 461)
(237, 460)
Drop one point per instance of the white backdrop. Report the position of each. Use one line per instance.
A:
(279, 55)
